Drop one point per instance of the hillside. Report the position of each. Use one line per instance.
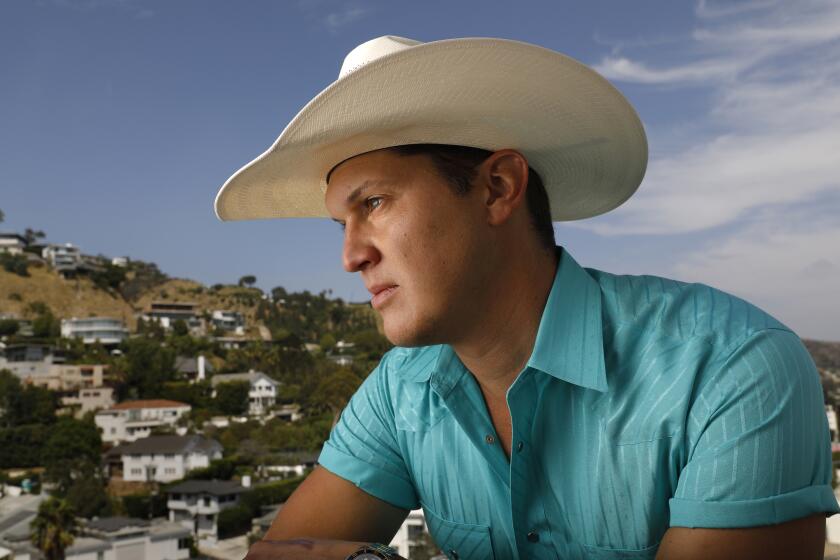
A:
(75, 297)
(130, 292)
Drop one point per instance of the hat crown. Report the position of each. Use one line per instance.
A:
(374, 49)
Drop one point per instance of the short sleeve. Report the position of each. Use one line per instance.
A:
(362, 447)
(758, 445)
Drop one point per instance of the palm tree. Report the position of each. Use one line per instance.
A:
(54, 528)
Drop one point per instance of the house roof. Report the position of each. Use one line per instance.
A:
(153, 403)
(158, 445)
(185, 364)
(114, 524)
(213, 487)
(251, 377)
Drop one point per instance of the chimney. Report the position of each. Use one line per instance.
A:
(201, 367)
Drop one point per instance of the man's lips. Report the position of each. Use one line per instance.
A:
(381, 292)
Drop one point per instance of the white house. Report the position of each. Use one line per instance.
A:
(262, 393)
(12, 243)
(106, 330)
(167, 312)
(161, 458)
(228, 321)
(131, 420)
(289, 413)
(63, 258)
(108, 538)
(195, 504)
(410, 534)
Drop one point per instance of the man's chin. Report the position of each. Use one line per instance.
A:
(408, 336)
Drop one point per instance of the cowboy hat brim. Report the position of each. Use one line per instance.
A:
(575, 129)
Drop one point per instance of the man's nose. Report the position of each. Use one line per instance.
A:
(359, 252)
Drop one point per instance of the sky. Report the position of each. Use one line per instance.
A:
(120, 119)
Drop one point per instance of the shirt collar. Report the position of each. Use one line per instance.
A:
(569, 343)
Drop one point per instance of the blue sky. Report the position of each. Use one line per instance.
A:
(119, 120)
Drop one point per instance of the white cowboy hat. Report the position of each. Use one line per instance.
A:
(575, 129)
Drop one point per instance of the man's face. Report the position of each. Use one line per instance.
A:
(417, 245)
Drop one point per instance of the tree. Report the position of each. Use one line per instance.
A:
(2, 216)
(54, 528)
(87, 496)
(32, 235)
(335, 391)
(147, 366)
(71, 453)
(232, 398)
(8, 327)
(247, 280)
(24, 405)
(180, 328)
(327, 342)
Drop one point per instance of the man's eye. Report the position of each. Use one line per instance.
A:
(373, 202)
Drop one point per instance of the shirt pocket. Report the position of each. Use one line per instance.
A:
(601, 553)
(459, 541)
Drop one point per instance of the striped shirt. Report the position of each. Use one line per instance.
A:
(647, 403)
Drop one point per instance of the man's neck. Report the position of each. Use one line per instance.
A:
(498, 350)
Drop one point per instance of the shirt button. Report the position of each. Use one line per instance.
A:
(519, 446)
(453, 555)
(533, 537)
(489, 439)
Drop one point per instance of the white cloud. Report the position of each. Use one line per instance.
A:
(767, 142)
(775, 112)
(624, 69)
(347, 15)
(788, 265)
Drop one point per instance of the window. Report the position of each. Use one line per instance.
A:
(184, 543)
(137, 471)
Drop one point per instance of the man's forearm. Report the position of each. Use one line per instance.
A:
(303, 549)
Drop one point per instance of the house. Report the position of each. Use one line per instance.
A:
(412, 534)
(161, 458)
(121, 262)
(105, 330)
(262, 393)
(194, 369)
(108, 538)
(343, 360)
(228, 321)
(58, 377)
(289, 413)
(131, 420)
(195, 504)
(167, 312)
(234, 342)
(293, 464)
(88, 400)
(12, 243)
(125, 537)
(33, 353)
(65, 259)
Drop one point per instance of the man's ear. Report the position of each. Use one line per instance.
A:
(503, 178)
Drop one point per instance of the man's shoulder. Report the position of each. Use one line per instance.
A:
(401, 364)
(679, 309)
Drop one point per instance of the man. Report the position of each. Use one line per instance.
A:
(531, 407)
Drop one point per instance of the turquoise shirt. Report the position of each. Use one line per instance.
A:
(646, 404)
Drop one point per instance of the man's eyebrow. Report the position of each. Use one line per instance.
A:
(356, 193)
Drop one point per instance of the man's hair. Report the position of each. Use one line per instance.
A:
(458, 165)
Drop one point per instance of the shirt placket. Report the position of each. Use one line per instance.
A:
(530, 523)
